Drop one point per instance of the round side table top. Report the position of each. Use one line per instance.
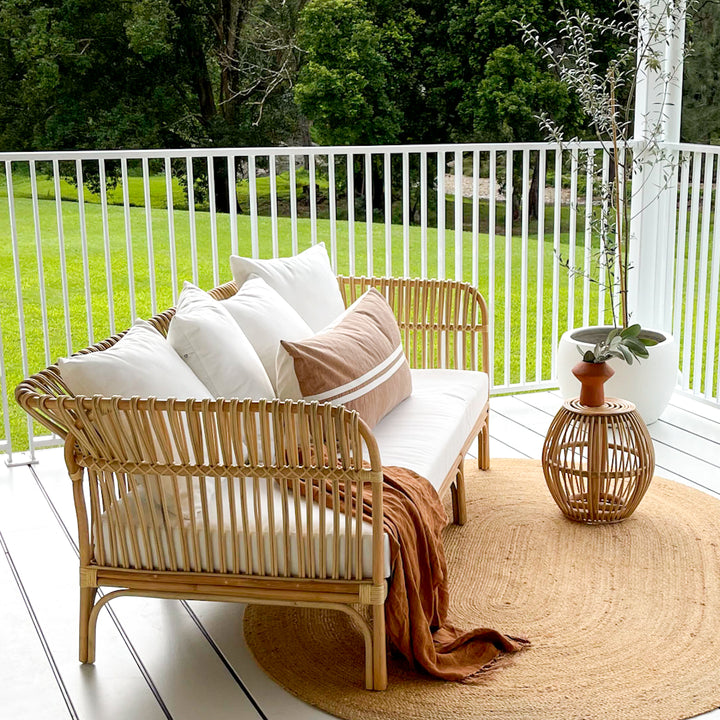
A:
(611, 406)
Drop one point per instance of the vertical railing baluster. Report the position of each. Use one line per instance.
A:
(572, 237)
(232, 196)
(666, 261)
(191, 217)
(508, 262)
(333, 211)
(687, 348)
(313, 200)
(272, 159)
(252, 189)
(441, 214)
(625, 177)
(350, 171)
(557, 219)
(106, 245)
(540, 281)
(475, 254)
(213, 220)
(20, 304)
(423, 214)
(711, 339)
(369, 215)
(170, 204)
(524, 262)
(61, 245)
(6, 409)
(604, 215)
(589, 174)
(681, 235)
(406, 212)
(700, 305)
(387, 187)
(149, 234)
(293, 204)
(40, 264)
(459, 214)
(492, 208)
(84, 249)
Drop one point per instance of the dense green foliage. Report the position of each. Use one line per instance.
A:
(146, 73)
(168, 73)
(423, 71)
(701, 91)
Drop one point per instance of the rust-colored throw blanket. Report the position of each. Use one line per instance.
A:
(417, 604)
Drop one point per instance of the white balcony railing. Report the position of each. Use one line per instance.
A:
(696, 311)
(94, 239)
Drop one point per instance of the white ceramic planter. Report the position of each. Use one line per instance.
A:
(648, 383)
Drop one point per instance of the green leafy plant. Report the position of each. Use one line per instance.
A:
(625, 344)
(605, 84)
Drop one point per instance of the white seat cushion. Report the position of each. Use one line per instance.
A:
(425, 433)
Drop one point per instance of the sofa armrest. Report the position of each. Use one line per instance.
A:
(443, 323)
(193, 459)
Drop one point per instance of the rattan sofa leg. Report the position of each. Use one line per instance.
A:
(379, 649)
(457, 490)
(484, 445)
(87, 624)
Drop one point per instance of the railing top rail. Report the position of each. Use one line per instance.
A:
(693, 147)
(158, 153)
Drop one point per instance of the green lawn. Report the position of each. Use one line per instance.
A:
(140, 279)
(157, 189)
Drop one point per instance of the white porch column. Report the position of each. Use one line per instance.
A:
(658, 112)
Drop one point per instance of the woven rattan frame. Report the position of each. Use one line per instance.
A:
(175, 449)
(598, 461)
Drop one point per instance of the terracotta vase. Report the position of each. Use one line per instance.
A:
(592, 377)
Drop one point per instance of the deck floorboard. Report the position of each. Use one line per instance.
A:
(171, 659)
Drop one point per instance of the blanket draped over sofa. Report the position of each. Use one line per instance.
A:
(417, 605)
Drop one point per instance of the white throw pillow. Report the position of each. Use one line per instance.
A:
(266, 319)
(306, 281)
(207, 338)
(141, 363)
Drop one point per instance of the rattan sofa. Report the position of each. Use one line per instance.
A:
(250, 535)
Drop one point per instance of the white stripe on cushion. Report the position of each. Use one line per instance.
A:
(393, 358)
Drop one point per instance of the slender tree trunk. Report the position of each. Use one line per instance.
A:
(222, 188)
(533, 207)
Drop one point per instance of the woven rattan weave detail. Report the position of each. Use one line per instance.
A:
(598, 462)
(159, 485)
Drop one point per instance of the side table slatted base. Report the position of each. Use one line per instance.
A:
(598, 461)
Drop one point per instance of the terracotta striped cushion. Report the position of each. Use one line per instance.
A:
(357, 362)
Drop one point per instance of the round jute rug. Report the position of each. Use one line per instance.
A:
(624, 619)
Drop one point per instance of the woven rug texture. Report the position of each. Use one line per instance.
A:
(624, 619)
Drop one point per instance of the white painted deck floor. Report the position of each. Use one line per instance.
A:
(188, 660)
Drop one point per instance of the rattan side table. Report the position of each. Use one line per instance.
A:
(598, 461)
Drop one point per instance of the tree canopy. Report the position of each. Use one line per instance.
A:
(175, 73)
(701, 91)
(417, 71)
(146, 73)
